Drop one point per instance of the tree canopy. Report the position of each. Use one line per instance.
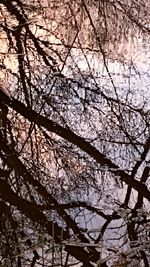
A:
(74, 133)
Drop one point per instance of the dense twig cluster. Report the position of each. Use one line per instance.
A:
(74, 140)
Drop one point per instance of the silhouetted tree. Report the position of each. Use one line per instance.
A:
(74, 137)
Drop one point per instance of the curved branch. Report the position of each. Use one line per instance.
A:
(78, 141)
(32, 211)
